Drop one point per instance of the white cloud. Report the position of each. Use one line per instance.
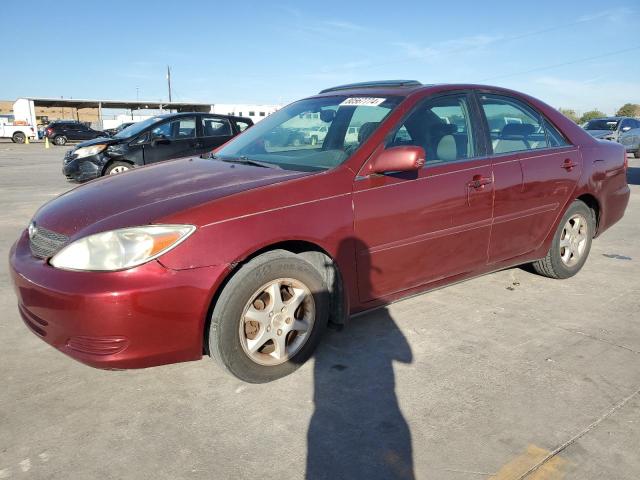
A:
(439, 49)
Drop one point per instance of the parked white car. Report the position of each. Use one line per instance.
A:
(316, 134)
(17, 133)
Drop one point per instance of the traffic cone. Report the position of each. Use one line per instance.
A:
(26, 140)
(46, 142)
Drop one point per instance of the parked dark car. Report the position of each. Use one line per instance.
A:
(247, 255)
(284, 137)
(119, 128)
(610, 128)
(630, 140)
(159, 138)
(62, 132)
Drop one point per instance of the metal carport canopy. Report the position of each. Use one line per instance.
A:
(125, 104)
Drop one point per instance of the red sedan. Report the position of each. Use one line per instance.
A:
(248, 255)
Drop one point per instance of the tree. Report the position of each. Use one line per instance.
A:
(570, 114)
(591, 114)
(629, 110)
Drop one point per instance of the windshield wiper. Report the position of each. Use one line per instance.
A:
(247, 161)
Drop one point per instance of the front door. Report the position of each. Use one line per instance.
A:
(172, 139)
(535, 171)
(417, 228)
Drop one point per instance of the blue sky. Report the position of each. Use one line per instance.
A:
(278, 51)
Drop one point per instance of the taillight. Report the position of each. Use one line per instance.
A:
(49, 130)
(626, 160)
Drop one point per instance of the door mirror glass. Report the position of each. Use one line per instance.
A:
(398, 159)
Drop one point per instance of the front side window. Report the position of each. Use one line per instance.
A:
(289, 138)
(215, 127)
(442, 126)
(178, 129)
(513, 126)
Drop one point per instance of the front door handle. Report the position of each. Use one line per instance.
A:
(479, 181)
(569, 164)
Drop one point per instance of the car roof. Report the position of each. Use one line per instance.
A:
(406, 88)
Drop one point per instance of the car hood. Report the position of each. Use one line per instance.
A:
(98, 141)
(600, 133)
(145, 195)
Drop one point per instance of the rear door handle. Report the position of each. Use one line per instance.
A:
(479, 181)
(568, 164)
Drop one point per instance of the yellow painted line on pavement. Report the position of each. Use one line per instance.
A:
(552, 469)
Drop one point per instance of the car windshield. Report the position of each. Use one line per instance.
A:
(283, 139)
(602, 124)
(136, 128)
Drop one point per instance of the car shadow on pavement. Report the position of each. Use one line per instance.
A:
(357, 429)
(633, 175)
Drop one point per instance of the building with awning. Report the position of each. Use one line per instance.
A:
(33, 110)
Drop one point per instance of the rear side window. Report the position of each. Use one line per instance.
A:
(554, 137)
(242, 126)
(215, 127)
(513, 126)
(442, 126)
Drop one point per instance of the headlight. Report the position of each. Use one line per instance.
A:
(88, 151)
(121, 249)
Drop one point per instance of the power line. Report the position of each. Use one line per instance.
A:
(562, 64)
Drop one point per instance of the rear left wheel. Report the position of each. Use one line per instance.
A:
(269, 318)
(18, 137)
(571, 243)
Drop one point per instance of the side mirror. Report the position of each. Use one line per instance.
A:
(398, 159)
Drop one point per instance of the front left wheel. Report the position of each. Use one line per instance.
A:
(117, 167)
(269, 317)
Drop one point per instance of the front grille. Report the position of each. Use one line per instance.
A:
(45, 243)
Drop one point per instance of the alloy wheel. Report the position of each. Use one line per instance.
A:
(573, 240)
(118, 169)
(277, 321)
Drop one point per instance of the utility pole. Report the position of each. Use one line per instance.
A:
(169, 81)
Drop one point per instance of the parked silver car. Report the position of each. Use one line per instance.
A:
(631, 141)
(610, 128)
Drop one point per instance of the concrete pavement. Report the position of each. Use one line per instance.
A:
(486, 379)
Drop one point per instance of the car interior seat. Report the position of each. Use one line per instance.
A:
(513, 138)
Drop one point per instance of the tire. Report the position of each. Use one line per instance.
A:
(59, 140)
(117, 167)
(18, 137)
(570, 247)
(231, 335)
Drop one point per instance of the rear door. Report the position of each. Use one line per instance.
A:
(535, 170)
(213, 131)
(172, 139)
(420, 227)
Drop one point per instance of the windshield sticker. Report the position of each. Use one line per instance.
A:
(363, 101)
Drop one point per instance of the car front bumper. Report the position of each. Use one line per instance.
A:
(81, 169)
(146, 316)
